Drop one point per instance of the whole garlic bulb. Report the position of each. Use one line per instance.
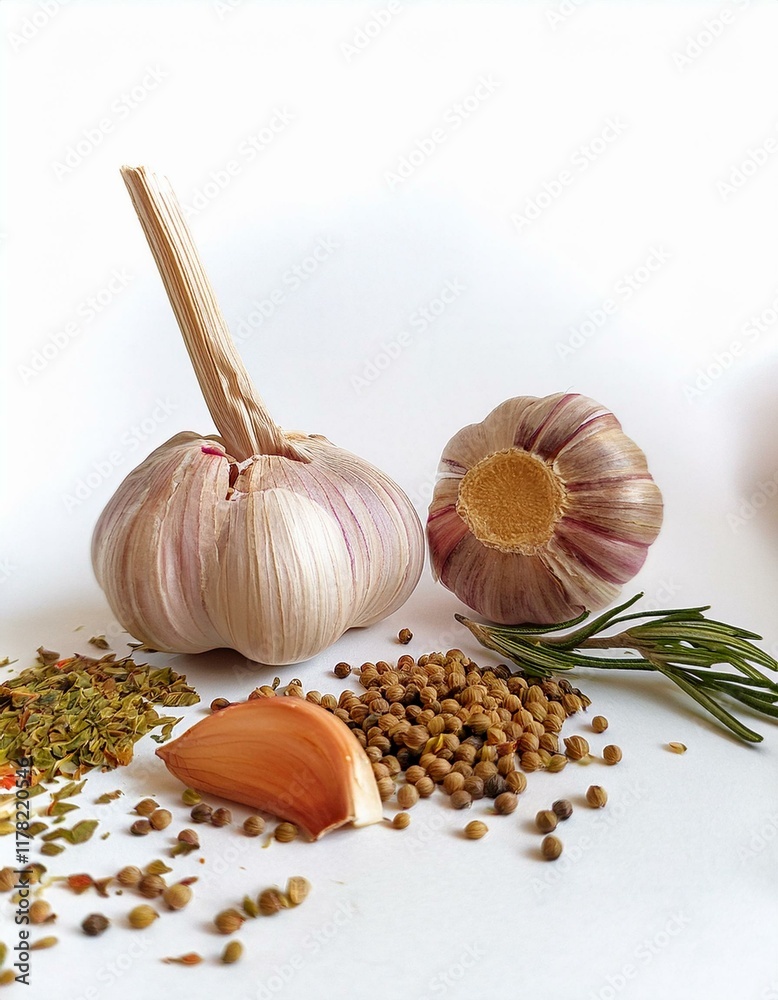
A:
(270, 543)
(541, 511)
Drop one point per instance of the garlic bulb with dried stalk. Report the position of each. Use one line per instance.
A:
(268, 542)
(285, 756)
(541, 511)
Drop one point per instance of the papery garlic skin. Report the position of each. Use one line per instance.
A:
(285, 756)
(277, 566)
(543, 510)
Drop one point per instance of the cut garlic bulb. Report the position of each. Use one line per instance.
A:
(267, 542)
(285, 756)
(541, 511)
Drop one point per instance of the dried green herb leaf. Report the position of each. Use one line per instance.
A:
(77, 834)
(100, 641)
(3, 953)
(51, 849)
(60, 808)
(157, 867)
(46, 656)
(107, 797)
(36, 827)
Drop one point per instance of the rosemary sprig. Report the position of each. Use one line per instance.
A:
(681, 644)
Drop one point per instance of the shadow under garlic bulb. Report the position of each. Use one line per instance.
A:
(541, 511)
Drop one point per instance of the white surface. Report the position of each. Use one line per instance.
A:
(673, 892)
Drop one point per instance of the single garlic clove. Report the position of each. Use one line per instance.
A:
(542, 510)
(285, 756)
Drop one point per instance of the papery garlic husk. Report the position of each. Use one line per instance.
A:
(267, 542)
(284, 756)
(542, 511)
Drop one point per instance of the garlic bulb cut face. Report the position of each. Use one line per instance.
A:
(271, 543)
(542, 511)
(285, 756)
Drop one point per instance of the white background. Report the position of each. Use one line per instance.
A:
(671, 891)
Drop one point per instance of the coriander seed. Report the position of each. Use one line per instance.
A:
(129, 876)
(219, 703)
(146, 807)
(475, 829)
(188, 837)
(461, 799)
(596, 796)
(494, 786)
(562, 809)
(270, 902)
(201, 813)
(228, 921)
(253, 826)
(8, 879)
(232, 952)
(611, 754)
(285, 832)
(151, 886)
(557, 763)
(7, 976)
(190, 797)
(250, 907)
(160, 819)
(401, 820)
(297, 889)
(221, 817)
(142, 916)
(516, 782)
(546, 820)
(677, 747)
(551, 848)
(177, 896)
(506, 803)
(404, 636)
(599, 723)
(342, 670)
(40, 912)
(425, 786)
(577, 747)
(453, 782)
(386, 788)
(95, 924)
(407, 796)
(140, 828)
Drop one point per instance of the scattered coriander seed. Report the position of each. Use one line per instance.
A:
(494, 786)
(201, 813)
(219, 703)
(142, 916)
(342, 670)
(44, 942)
(577, 747)
(611, 754)
(425, 786)
(95, 924)
(599, 723)
(551, 847)
(404, 636)
(531, 761)
(677, 747)
(129, 876)
(386, 788)
(506, 803)
(140, 828)
(475, 829)
(250, 907)
(414, 773)
(407, 796)
(562, 809)
(596, 796)
(146, 807)
(232, 952)
(557, 763)
(546, 820)
(401, 820)
(285, 833)
(177, 896)
(160, 819)
(221, 817)
(7, 976)
(40, 912)
(297, 889)
(157, 867)
(474, 787)
(453, 782)
(190, 958)
(188, 837)
(8, 879)
(228, 921)
(461, 799)
(270, 901)
(253, 826)
(190, 797)
(516, 782)
(151, 886)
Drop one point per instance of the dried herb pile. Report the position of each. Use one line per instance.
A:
(71, 715)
